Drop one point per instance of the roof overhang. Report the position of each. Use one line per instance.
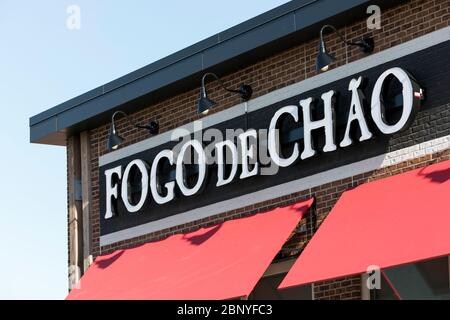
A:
(271, 32)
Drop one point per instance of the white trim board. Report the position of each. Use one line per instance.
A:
(381, 161)
(268, 99)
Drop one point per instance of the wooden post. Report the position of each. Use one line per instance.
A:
(75, 210)
(85, 148)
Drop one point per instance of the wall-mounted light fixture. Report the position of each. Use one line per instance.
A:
(204, 103)
(114, 140)
(324, 58)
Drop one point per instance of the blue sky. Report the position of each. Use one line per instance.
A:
(43, 63)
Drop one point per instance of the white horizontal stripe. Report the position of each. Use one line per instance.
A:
(347, 70)
(381, 161)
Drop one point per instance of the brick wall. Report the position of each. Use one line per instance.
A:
(399, 24)
(348, 288)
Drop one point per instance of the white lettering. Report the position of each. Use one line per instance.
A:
(377, 108)
(356, 113)
(126, 195)
(248, 153)
(220, 152)
(111, 190)
(155, 186)
(327, 122)
(181, 174)
(274, 141)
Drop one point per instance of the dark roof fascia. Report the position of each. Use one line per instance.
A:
(259, 37)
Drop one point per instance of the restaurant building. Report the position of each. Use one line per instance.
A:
(302, 154)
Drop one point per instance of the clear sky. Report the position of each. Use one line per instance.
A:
(43, 63)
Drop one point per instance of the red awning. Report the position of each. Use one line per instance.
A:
(219, 262)
(388, 222)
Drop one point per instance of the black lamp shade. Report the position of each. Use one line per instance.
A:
(204, 104)
(114, 140)
(153, 127)
(324, 59)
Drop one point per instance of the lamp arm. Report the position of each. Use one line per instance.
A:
(329, 26)
(120, 112)
(141, 126)
(218, 80)
(113, 124)
(116, 113)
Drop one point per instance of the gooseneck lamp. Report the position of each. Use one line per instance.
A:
(324, 58)
(114, 139)
(204, 103)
